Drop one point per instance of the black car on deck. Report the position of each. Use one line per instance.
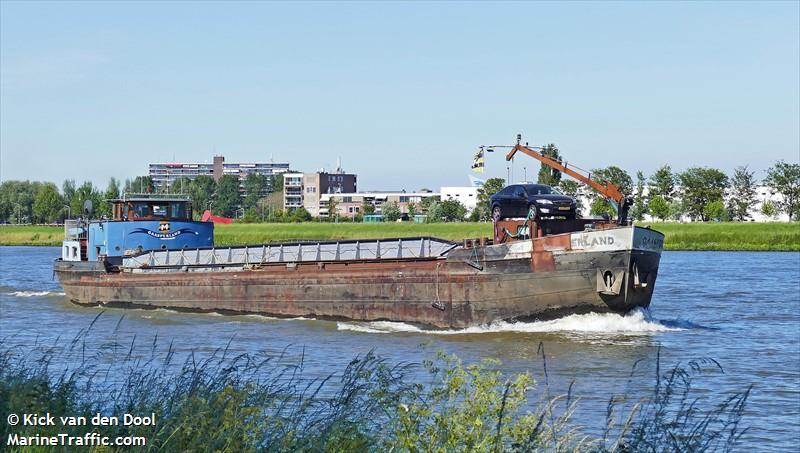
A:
(517, 199)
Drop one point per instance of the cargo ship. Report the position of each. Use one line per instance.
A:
(151, 254)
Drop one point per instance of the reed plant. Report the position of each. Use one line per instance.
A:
(240, 402)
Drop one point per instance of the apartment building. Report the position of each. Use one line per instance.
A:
(307, 189)
(165, 175)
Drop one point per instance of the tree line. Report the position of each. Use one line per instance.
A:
(42, 202)
(701, 193)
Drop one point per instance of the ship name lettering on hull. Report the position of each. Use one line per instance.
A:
(583, 242)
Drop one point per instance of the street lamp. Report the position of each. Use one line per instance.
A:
(69, 211)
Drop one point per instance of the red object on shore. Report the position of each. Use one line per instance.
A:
(207, 215)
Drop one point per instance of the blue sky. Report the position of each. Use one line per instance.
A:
(402, 92)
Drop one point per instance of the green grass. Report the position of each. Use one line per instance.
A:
(746, 236)
(255, 233)
(740, 236)
(31, 235)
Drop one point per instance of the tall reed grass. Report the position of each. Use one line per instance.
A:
(227, 402)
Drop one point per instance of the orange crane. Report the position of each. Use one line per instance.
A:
(610, 191)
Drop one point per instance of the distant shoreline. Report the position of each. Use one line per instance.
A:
(716, 236)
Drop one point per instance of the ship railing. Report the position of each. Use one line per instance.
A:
(74, 230)
(254, 255)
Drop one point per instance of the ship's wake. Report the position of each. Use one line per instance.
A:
(34, 293)
(634, 323)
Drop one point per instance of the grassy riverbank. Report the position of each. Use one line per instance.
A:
(679, 236)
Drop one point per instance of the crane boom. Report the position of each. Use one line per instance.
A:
(608, 190)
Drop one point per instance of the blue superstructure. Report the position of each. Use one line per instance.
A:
(142, 223)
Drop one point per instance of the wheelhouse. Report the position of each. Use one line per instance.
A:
(151, 207)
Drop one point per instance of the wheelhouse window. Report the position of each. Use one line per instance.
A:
(141, 210)
(160, 210)
(178, 210)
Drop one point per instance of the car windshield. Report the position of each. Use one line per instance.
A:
(541, 190)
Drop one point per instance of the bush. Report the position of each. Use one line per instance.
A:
(391, 211)
(300, 215)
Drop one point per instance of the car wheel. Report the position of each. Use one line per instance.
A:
(497, 213)
(532, 208)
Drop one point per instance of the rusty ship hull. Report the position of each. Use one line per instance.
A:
(458, 285)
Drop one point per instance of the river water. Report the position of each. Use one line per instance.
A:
(740, 308)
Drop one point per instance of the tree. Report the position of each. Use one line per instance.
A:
(333, 208)
(659, 207)
(390, 211)
(227, 196)
(489, 188)
(250, 216)
(412, 210)
(662, 183)
(715, 211)
(785, 179)
(182, 185)
(276, 183)
(452, 210)
(547, 174)
(367, 208)
(301, 215)
(48, 205)
(140, 184)
(676, 210)
(434, 212)
(701, 186)
(201, 191)
(615, 175)
(743, 193)
(86, 192)
(573, 189)
(68, 191)
(16, 200)
(769, 209)
(639, 203)
(111, 193)
(255, 187)
(273, 204)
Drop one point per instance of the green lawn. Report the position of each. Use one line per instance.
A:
(271, 232)
(31, 235)
(730, 235)
(679, 236)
